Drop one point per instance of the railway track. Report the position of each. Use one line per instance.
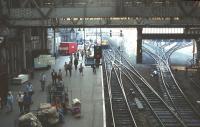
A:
(174, 109)
(160, 111)
(172, 93)
(120, 109)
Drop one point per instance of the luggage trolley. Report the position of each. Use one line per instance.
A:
(58, 97)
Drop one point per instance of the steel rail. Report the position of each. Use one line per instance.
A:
(169, 108)
(124, 94)
(110, 95)
(162, 77)
(166, 65)
(127, 72)
(125, 99)
(149, 86)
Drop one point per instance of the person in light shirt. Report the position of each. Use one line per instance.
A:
(10, 100)
(43, 81)
(20, 97)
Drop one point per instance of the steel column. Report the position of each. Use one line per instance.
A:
(45, 37)
(54, 42)
(84, 38)
(139, 45)
(198, 51)
(24, 48)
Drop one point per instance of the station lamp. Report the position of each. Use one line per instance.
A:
(110, 33)
(72, 30)
(121, 34)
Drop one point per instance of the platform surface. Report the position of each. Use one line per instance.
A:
(87, 88)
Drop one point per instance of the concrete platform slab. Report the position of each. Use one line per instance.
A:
(88, 88)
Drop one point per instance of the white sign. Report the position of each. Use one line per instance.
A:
(44, 61)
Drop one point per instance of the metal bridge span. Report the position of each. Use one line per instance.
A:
(100, 13)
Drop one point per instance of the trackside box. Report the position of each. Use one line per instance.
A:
(67, 48)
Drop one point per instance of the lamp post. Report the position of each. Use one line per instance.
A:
(122, 42)
(54, 41)
(96, 35)
(100, 36)
(84, 38)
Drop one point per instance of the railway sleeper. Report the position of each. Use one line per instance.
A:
(119, 107)
(164, 120)
(163, 113)
(122, 117)
(189, 117)
(120, 110)
(192, 120)
(182, 107)
(117, 98)
(172, 125)
(186, 111)
(170, 117)
(194, 124)
(124, 125)
(159, 109)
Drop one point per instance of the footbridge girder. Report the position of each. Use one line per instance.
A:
(99, 13)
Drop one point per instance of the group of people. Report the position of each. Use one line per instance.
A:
(56, 76)
(24, 99)
(76, 55)
(68, 66)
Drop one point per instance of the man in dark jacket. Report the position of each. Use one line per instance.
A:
(26, 102)
(53, 76)
(75, 63)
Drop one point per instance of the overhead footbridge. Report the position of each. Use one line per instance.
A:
(100, 13)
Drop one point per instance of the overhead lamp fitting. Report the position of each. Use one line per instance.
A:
(72, 30)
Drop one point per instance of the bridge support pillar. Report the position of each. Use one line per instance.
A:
(198, 51)
(139, 46)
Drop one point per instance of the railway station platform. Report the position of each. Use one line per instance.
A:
(88, 88)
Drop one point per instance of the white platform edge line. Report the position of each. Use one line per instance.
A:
(103, 99)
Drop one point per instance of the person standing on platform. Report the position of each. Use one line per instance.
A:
(94, 68)
(81, 69)
(20, 97)
(43, 80)
(9, 102)
(70, 68)
(66, 69)
(29, 88)
(53, 76)
(77, 54)
(71, 58)
(82, 54)
(59, 75)
(75, 63)
(27, 102)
